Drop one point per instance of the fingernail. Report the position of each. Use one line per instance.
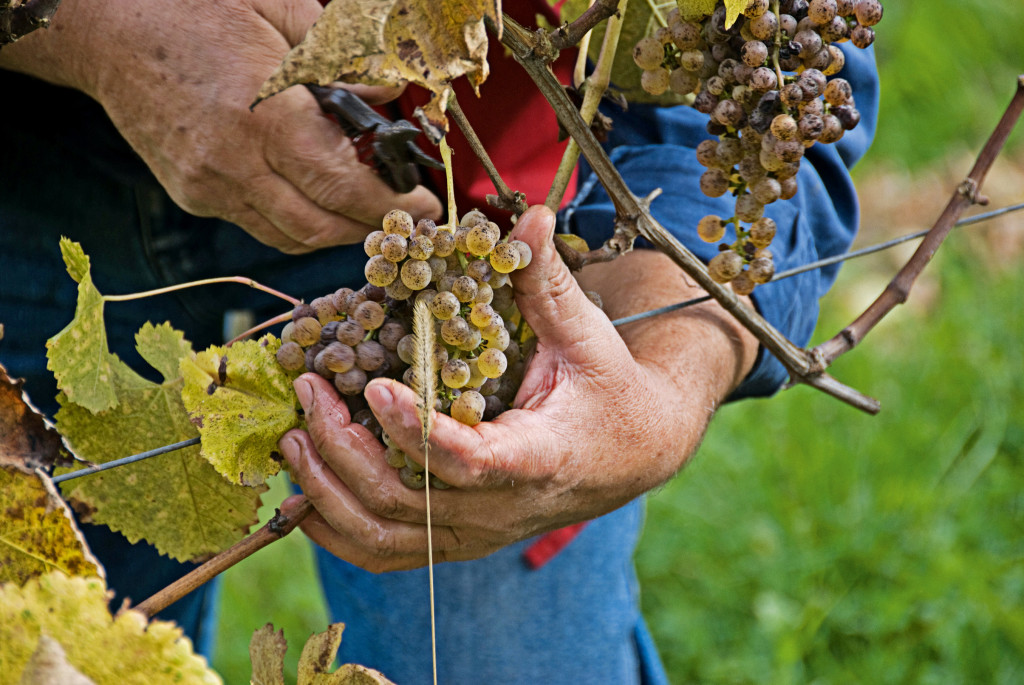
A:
(290, 448)
(379, 396)
(304, 391)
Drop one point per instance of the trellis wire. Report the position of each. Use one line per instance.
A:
(126, 460)
(821, 263)
(617, 322)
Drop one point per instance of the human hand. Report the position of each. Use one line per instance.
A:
(595, 424)
(177, 77)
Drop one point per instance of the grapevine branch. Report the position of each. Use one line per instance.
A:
(276, 528)
(633, 218)
(898, 290)
(828, 261)
(569, 35)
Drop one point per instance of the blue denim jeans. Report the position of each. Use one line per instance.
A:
(576, 619)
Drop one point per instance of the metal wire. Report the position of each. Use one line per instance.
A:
(126, 460)
(823, 263)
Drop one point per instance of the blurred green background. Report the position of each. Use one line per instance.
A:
(808, 543)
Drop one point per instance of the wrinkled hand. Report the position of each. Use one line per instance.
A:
(592, 429)
(177, 77)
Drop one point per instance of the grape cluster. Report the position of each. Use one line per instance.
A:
(769, 84)
(462, 273)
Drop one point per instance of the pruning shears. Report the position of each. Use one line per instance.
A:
(382, 144)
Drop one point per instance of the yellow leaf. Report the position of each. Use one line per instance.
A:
(733, 9)
(37, 532)
(387, 42)
(266, 651)
(110, 650)
(318, 655)
(242, 402)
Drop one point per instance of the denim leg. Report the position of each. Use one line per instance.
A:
(576, 619)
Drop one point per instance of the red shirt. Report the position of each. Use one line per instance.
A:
(514, 122)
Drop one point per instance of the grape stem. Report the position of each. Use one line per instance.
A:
(570, 34)
(280, 318)
(206, 281)
(280, 525)
(595, 86)
(633, 219)
(898, 290)
(778, 42)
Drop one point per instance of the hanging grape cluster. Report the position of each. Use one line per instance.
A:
(462, 273)
(769, 84)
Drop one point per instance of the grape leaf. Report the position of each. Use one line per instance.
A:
(696, 10)
(242, 402)
(733, 9)
(37, 531)
(27, 439)
(49, 664)
(177, 501)
(318, 655)
(386, 42)
(114, 650)
(266, 651)
(78, 356)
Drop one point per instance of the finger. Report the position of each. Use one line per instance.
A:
(347, 528)
(291, 19)
(354, 455)
(517, 447)
(261, 228)
(379, 561)
(548, 295)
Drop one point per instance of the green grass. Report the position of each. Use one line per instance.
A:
(810, 543)
(948, 69)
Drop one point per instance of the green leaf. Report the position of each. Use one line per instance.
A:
(110, 650)
(75, 259)
(78, 356)
(37, 532)
(242, 402)
(177, 502)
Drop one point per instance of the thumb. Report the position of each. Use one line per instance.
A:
(548, 295)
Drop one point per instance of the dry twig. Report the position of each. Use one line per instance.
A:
(898, 290)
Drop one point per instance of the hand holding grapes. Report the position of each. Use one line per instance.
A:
(601, 417)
